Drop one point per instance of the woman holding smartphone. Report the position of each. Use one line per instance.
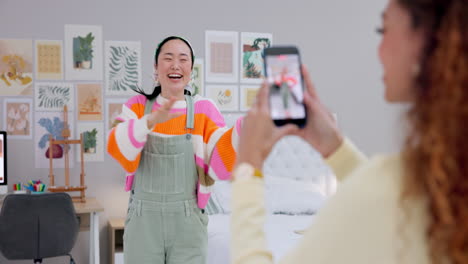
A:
(405, 208)
(172, 146)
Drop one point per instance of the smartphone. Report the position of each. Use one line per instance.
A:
(284, 75)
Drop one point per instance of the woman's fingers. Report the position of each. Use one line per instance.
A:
(261, 101)
(310, 105)
(174, 115)
(280, 132)
(163, 113)
(167, 106)
(308, 82)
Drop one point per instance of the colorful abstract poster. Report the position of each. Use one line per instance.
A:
(49, 59)
(113, 110)
(89, 98)
(17, 118)
(51, 96)
(221, 56)
(93, 141)
(52, 123)
(226, 97)
(122, 67)
(247, 97)
(197, 82)
(251, 51)
(16, 67)
(83, 52)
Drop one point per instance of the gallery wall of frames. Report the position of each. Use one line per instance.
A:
(94, 77)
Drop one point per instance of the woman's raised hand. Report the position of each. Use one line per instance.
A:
(163, 113)
(259, 133)
(321, 130)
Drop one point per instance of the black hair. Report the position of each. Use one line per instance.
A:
(158, 49)
(157, 89)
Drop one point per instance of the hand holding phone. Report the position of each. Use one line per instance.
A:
(284, 75)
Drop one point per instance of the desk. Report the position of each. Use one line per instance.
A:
(89, 221)
(88, 217)
(116, 229)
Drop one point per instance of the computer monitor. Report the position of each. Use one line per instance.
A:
(3, 163)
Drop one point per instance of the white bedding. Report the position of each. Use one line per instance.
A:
(279, 232)
(297, 181)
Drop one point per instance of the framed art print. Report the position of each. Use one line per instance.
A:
(226, 97)
(83, 52)
(251, 56)
(49, 59)
(221, 56)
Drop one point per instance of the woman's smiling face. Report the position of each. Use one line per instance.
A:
(174, 68)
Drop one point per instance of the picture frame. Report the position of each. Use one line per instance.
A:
(16, 67)
(113, 110)
(17, 119)
(122, 67)
(48, 59)
(83, 52)
(248, 94)
(53, 96)
(252, 68)
(225, 96)
(221, 56)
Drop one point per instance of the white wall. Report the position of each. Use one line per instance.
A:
(336, 38)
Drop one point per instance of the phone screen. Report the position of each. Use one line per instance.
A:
(286, 91)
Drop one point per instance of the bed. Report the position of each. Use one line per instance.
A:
(305, 183)
(280, 231)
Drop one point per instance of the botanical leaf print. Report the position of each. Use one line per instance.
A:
(123, 69)
(53, 96)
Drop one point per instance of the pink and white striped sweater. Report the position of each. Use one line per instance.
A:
(214, 144)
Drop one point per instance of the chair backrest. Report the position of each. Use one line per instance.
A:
(36, 226)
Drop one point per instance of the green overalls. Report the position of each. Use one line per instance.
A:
(164, 224)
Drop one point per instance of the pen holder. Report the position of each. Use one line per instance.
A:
(20, 192)
(36, 187)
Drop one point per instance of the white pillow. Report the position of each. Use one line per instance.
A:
(213, 206)
(282, 196)
(222, 191)
(289, 196)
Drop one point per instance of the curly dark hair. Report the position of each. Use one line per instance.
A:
(435, 155)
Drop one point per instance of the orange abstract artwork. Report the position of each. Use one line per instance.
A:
(89, 102)
(15, 67)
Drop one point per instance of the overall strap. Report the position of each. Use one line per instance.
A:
(149, 105)
(190, 113)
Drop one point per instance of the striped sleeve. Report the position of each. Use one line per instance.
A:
(128, 137)
(221, 144)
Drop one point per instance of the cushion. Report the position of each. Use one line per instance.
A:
(283, 196)
(214, 206)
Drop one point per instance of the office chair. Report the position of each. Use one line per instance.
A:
(37, 226)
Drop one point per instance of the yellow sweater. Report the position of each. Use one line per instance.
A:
(362, 223)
